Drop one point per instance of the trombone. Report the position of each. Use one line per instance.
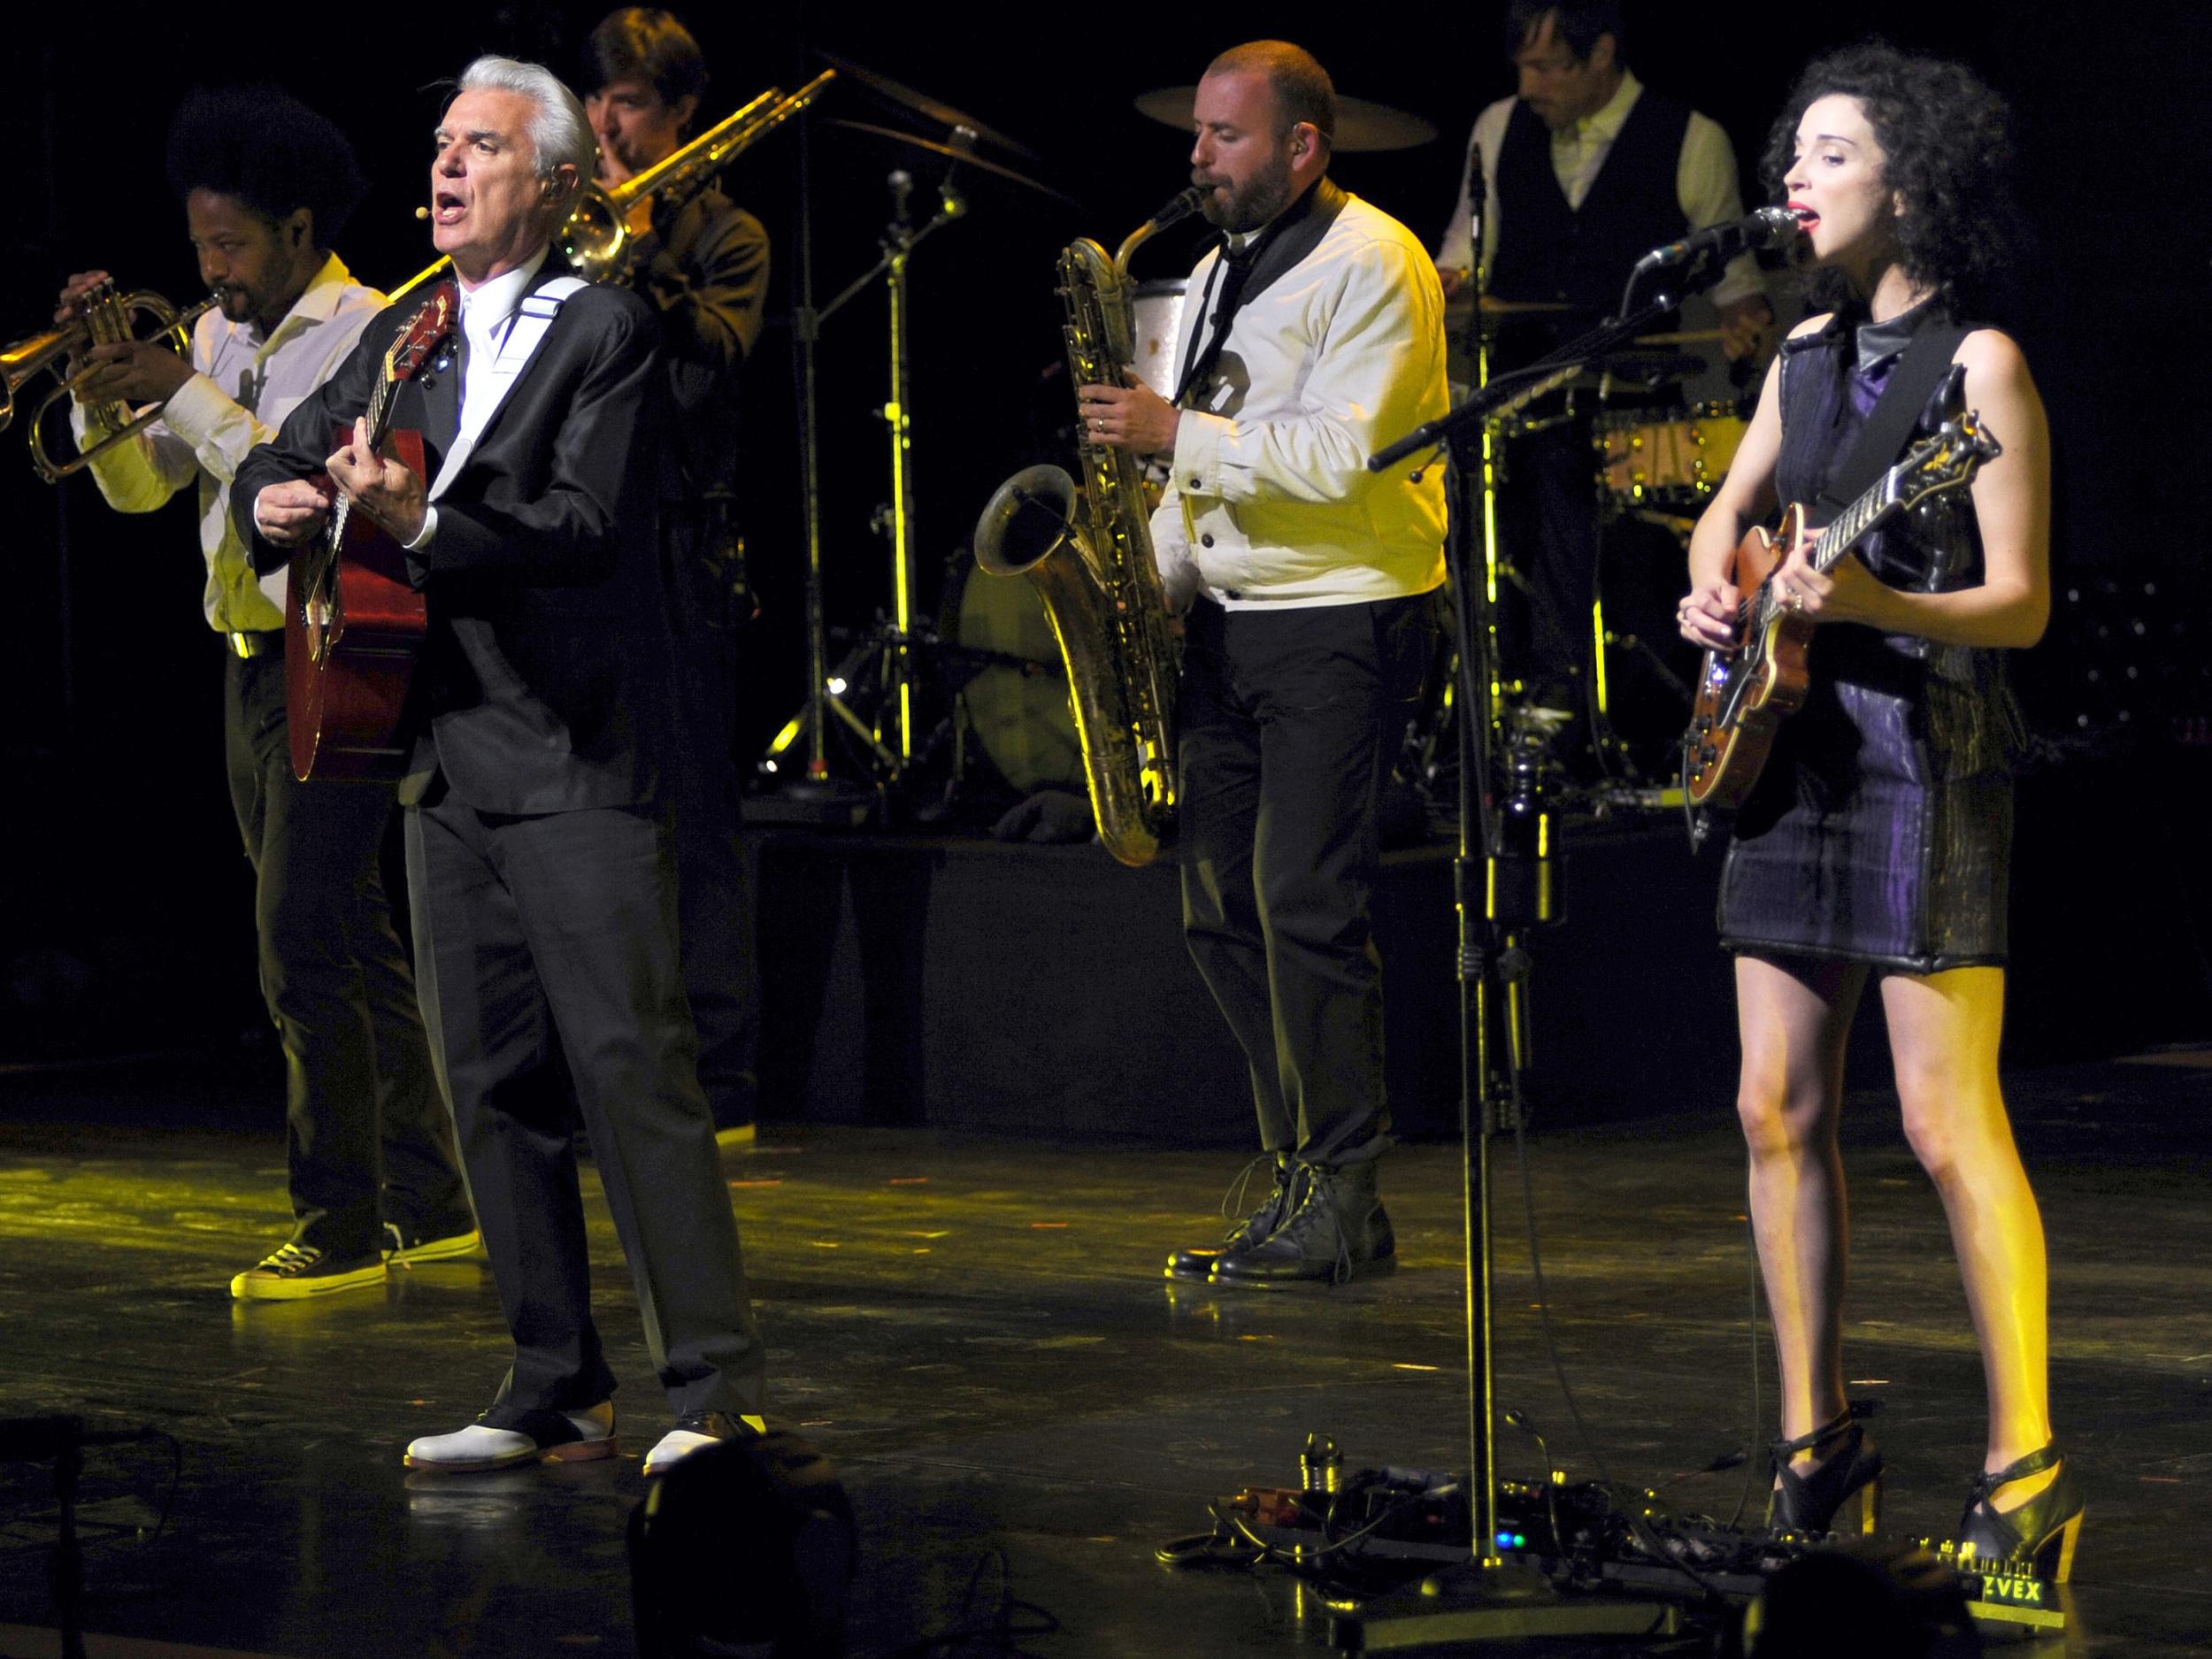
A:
(104, 317)
(596, 237)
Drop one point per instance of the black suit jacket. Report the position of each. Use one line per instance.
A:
(543, 686)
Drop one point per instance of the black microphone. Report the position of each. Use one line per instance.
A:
(1754, 232)
(961, 143)
(1478, 201)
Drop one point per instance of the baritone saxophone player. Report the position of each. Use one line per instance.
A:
(1316, 336)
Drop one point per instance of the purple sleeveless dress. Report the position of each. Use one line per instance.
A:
(1881, 828)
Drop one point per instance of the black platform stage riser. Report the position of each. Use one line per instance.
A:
(1046, 990)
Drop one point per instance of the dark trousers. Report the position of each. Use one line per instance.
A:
(1288, 721)
(714, 896)
(370, 1138)
(550, 982)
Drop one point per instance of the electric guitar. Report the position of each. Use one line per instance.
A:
(1744, 694)
(353, 624)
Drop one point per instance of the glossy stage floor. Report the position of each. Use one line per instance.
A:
(975, 1329)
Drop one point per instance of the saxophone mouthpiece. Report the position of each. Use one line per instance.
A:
(1186, 202)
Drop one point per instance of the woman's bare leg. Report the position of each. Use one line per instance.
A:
(1943, 1034)
(1793, 1016)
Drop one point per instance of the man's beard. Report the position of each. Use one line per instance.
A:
(1258, 203)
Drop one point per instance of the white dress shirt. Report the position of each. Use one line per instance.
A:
(245, 386)
(1704, 181)
(1270, 503)
(488, 312)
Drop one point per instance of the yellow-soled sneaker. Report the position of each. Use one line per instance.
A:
(295, 1272)
(404, 1249)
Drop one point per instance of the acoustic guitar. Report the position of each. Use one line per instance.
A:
(353, 624)
(1743, 694)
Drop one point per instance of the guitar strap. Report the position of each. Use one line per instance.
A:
(1896, 412)
(532, 318)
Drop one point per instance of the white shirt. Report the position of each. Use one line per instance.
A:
(488, 311)
(245, 386)
(1270, 502)
(1704, 181)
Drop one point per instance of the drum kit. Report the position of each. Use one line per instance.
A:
(1657, 455)
(1010, 728)
(1656, 470)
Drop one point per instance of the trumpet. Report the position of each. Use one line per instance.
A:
(596, 237)
(104, 317)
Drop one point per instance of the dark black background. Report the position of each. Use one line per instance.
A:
(123, 859)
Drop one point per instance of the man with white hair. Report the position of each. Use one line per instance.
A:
(537, 838)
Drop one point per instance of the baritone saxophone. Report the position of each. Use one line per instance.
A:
(1086, 548)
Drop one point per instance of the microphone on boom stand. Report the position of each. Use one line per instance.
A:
(1754, 233)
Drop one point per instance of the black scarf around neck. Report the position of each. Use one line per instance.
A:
(1286, 240)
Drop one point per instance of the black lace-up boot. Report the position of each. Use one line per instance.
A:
(1198, 1262)
(1337, 1230)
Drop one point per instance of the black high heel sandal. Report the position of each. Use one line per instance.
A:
(1808, 1503)
(2041, 1532)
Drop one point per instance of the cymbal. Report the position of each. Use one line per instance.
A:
(967, 159)
(1645, 368)
(1360, 126)
(1495, 313)
(924, 105)
(1635, 373)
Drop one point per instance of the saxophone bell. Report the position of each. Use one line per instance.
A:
(1026, 520)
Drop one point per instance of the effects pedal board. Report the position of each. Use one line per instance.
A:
(1403, 1523)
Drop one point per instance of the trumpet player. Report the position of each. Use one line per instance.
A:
(1318, 337)
(267, 184)
(702, 263)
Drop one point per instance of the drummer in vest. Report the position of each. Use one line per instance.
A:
(1582, 173)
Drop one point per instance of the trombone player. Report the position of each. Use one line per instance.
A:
(267, 185)
(702, 263)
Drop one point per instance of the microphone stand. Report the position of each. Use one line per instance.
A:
(888, 738)
(1506, 880)
(62, 1441)
(1510, 392)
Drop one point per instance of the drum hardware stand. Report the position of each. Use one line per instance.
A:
(952, 665)
(888, 738)
(1611, 749)
(1506, 881)
(1605, 741)
(1615, 760)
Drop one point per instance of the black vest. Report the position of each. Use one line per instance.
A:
(1548, 250)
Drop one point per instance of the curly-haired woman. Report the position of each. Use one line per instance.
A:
(1876, 842)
